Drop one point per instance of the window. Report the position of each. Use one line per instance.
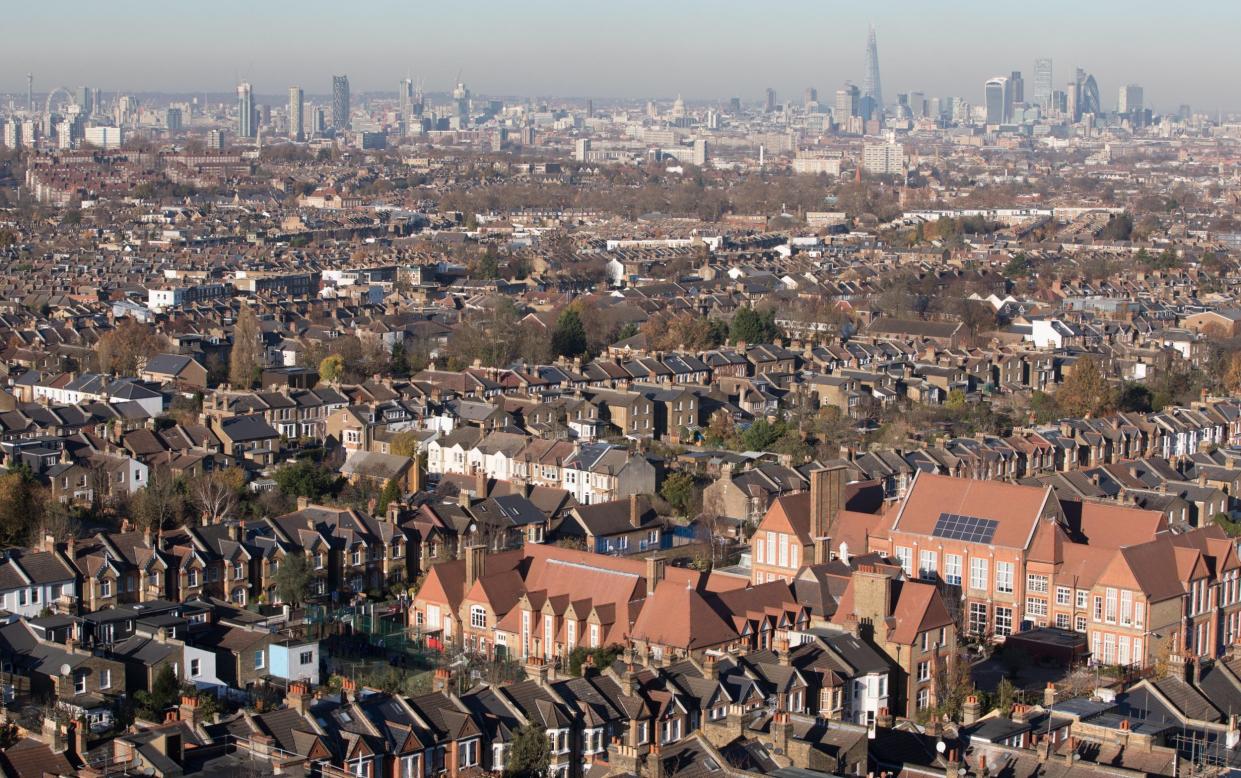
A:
(594, 635)
(924, 699)
(1126, 609)
(978, 618)
(978, 573)
(1064, 595)
(1004, 577)
(105, 588)
(1062, 621)
(468, 753)
(644, 733)
(191, 578)
(924, 671)
(306, 658)
(906, 557)
(928, 564)
(1079, 623)
(1098, 608)
(1036, 584)
(1003, 621)
(238, 571)
(1109, 612)
(79, 682)
(105, 679)
(259, 660)
(1082, 596)
(478, 617)
(1139, 614)
(1036, 606)
(952, 569)
(357, 556)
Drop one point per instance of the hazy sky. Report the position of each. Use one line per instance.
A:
(705, 49)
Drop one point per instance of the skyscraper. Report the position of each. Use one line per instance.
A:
(846, 103)
(1017, 87)
(340, 103)
(871, 86)
(1130, 100)
(461, 99)
(297, 114)
(1085, 97)
(85, 99)
(771, 100)
(247, 119)
(996, 93)
(405, 107)
(1043, 82)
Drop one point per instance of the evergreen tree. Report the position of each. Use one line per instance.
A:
(528, 757)
(246, 358)
(390, 494)
(569, 337)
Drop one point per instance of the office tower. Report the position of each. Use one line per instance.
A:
(318, 121)
(30, 92)
(771, 100)
(1129, 100)
(581, 149)
(461, 102)
(701, 152)
(1072, 98)
(172, 119)
(13, 134)
(917, 104)
(995, 99)
(247, 117)
(734, 105)
(846, 103)
(810, 97)
(871, 86)
(1043, 82)
(297, 114)
(405, 105)
(85, 98)
(1183, 112)
(340, 103)
(1018, 87)
(215, 140)
(1085, 95)
(713, 120)
(590, 109)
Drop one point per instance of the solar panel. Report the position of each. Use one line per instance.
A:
(971, 529)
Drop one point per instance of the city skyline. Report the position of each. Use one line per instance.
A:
(1120, 44)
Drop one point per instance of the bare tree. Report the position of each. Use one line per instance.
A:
(711, 521)
(215, 495)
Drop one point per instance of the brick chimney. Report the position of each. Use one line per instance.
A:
(827, 499)
(654, 573)
(480, 484)
(188, 708)
(635, 511)
(475, 562)
(872, 597)
(298, 697)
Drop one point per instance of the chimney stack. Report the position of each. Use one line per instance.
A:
(635, 512)
(654, 573)
(827, 499)
(475, 561)
(480, 484)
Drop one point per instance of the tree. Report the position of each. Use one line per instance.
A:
(293, 579)
(1005, 696)
(1232, 373)
(569, 336)
(308, 479)
(1085, 391)
(681, 492)
(528, 756)
(751, 326)
(762, 434)
(21, 506)
(246, 359)
(331, 368)
(404, 444)
(165, 692)
(390, 494)
(1135, 398)
(160, 504)
(216, 493)
(125, 349)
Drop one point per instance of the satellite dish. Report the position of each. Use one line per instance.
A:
(65, 669)
(940, 746)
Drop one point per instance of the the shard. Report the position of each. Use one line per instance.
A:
(870, 86)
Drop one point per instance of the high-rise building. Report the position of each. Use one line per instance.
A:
(13, 134)
(701, 152)
(1017, 89)
(461, 102)
(340, 103)
(172, 119)
(810, 98)
(883, 159)
(871, 86)
(734, 105)
(318, 120)
(1043, 82)
(297, 114)
(247, 117)
(846, 103)
(1129, 102)
(995, 98)
(405, 104)
(1085, 95)
(85, 98)
(581, 149)
(771, 100)
(215, 139)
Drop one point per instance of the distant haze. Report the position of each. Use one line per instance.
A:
(1179, 52)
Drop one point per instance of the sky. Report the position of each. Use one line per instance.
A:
(703, 49)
